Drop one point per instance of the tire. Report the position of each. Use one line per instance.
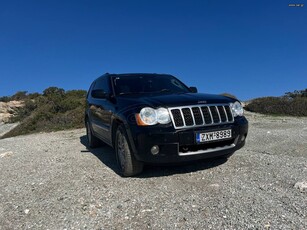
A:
(93, 141)
(127, 163)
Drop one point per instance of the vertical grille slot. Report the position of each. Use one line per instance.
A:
(187, 116)
(207, 116)
(222, 113)
(197, 116)
(200, 115)
(215, 115)
(177, 117)
(228, 112)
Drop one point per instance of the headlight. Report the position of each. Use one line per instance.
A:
(237, 109)
(150, 116)
(163, 116)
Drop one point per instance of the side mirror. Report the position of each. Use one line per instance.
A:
(99, 94)
(193, 89)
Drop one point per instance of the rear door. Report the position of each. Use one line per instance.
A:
(100, 110)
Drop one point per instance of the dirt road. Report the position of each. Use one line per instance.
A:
(51, 181)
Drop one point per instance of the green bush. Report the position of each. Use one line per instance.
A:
(290, 106)
(53, 110)
(5, 99)
(296, 94)
(20, 95)
(24, 111)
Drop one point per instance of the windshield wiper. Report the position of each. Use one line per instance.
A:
(165, 90)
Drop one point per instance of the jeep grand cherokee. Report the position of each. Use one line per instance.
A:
(155, 118)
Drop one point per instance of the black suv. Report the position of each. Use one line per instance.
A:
(155, 118)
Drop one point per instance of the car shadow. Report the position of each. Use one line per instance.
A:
(107, 156)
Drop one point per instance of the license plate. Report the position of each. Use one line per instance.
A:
(213, 136)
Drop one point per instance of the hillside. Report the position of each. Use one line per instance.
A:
(290, 104)
(54, 109)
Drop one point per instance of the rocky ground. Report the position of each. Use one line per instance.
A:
(51, 181)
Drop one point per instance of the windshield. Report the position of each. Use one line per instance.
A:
(148, 84)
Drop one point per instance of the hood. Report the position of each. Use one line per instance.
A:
(173, 100)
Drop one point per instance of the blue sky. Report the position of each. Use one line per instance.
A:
(248, 48)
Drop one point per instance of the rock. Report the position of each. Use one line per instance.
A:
(146, 210)
(6, 154)
(302, 186)
(8, 109)
(267, 226)
(214, 185)
(26, 211)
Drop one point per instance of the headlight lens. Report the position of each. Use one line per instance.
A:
(237, 109)
(163, 116)
(150, 116)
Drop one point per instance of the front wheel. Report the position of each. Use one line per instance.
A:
(128, 165)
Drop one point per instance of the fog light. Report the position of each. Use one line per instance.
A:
(155, 150)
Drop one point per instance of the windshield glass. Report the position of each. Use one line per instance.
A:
(148, 84)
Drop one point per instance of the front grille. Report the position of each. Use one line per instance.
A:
(200, 115)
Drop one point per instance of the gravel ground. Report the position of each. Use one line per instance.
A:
(51, 181)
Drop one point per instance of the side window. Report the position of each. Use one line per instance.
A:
(90, 89)
(102, 83)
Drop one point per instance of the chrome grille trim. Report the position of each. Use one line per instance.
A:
(225, 113)
(192, 115)
(208, 107)
(200, 106)
(182, 118)
(218, 112)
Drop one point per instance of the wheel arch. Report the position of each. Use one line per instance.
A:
(117, 122)
(86, 116)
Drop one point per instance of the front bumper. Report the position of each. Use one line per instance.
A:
(180, 145)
